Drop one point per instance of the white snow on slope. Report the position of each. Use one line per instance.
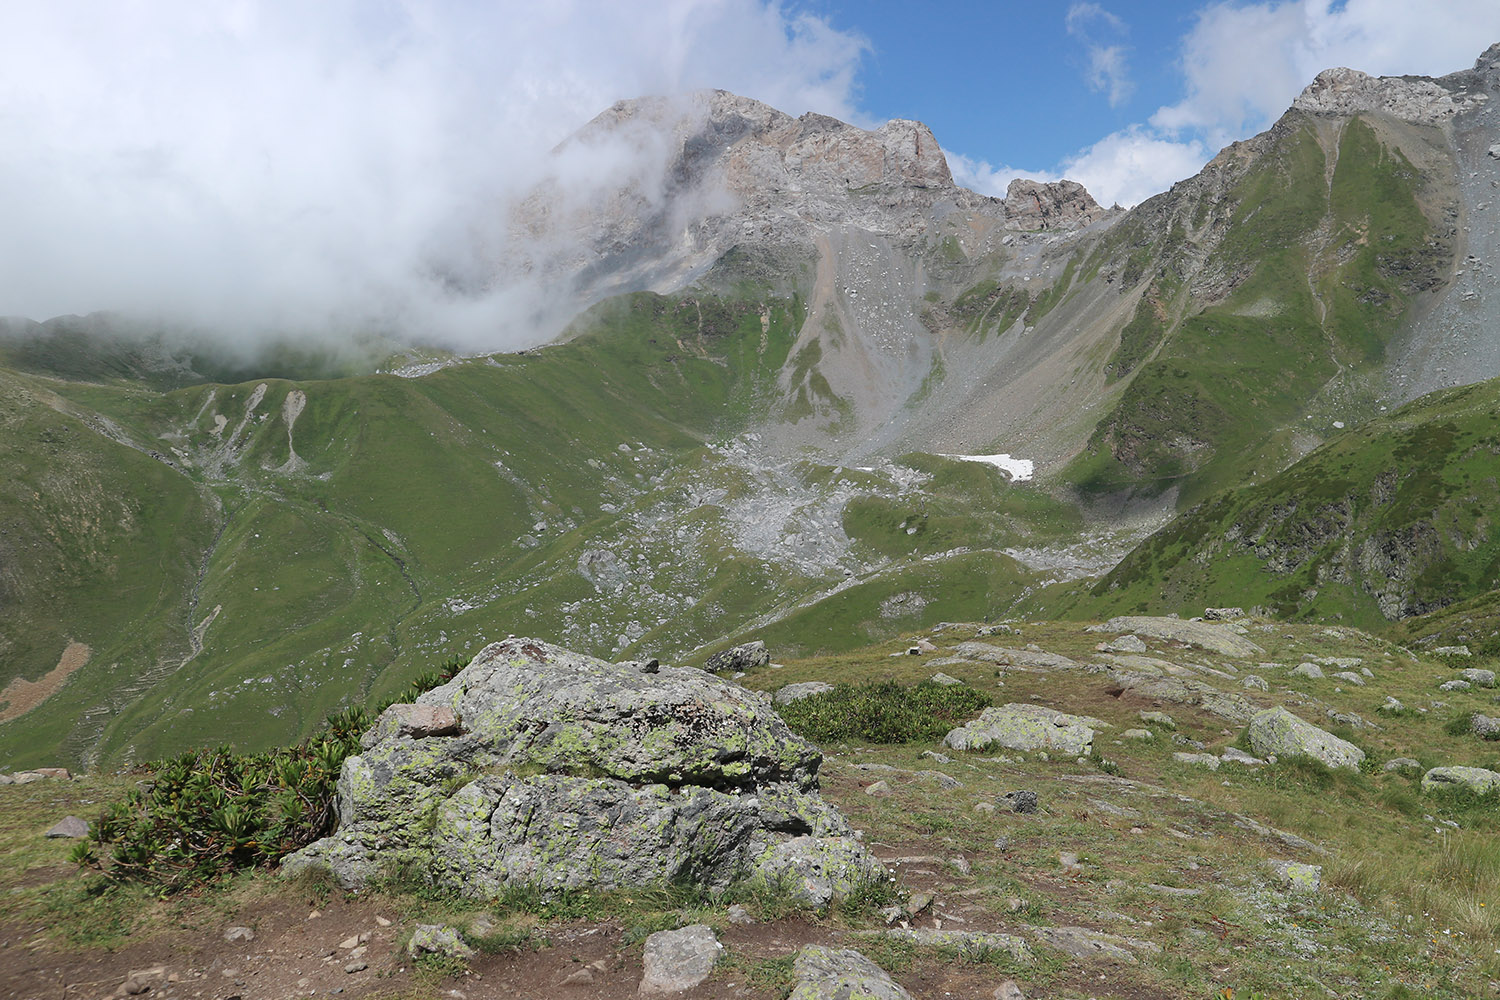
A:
(1020, 470)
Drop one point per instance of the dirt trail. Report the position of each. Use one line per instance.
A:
(21, 696)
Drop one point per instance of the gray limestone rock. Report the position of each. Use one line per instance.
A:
(1220, 639)
(1475, 779)
(676, 961)
(1309, 670)
(1455, 685)
(945, 680)
(1401, 764)
(70, 827)
(1478, 677)
(1207, 760)
(796, 692)
(738, 658)
(1297, 877)
(1277, 731)
(1124, 644)
(437, 939)
(572, 772)
(841, 974)
(814, 871)
(1026, 727)
(1081, 942)
(1484, 726)
(1254, 682)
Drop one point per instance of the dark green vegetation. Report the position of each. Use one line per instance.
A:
(1391, 520)
(883, 712)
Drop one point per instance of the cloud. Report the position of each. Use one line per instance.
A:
(266, 164)
(1243, 64)
(1131, 165)
(980, 176)
(1107, 70)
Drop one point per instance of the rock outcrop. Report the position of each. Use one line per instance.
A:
(566, 771)
(1026, 727)
(1277, 731)
(1034, 205)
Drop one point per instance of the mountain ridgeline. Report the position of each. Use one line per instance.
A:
(782, 341)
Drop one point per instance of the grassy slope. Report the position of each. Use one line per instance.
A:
(1400, 509)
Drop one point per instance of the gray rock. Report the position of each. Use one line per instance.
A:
(1222, 614)
(571, 772)
(944, 679)
(738, 658)
(814, 871)
(1478, 677)
(676, 961)
(1460, 651)
(1402, 764)
(1297, 877)
(1476, 779)
(356, 966)
(1485, 726)
(1138, 734)
(879, 789)
(1124, 644)
(796, 692)
(70, 827)
(1021, 801)
(1277, 731)
(1023, 658)
(1254, 682)
(1391, 705)
(1009, 990)
(1309, 670)
(841, 974)
(740, 916)
(437, 939)
(1220, 639)
(413, 722)
(1455, 685)
(1350, 677)
(1081, 942)
(1158, 719)
(1026, 727)
(234, 935)
(1235, 755)
(1207, 760)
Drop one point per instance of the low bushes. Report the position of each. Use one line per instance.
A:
(884, 712)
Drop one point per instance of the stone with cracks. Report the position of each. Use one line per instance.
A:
(1221, 639)
(1475, 779)
(1277, 731)
(411, 721)
(437, 939)
(569, 772)
(841, 974)
(676, 961)
(1026, 727)
(738, 658)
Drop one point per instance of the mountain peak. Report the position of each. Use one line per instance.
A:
(1344, 91)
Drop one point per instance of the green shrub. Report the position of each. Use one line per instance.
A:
(209, 812)
(883, 712)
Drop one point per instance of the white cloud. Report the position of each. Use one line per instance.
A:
(1243, 64)
(303, 165)
(1108, 71)
(980, 176)
(1131, 165)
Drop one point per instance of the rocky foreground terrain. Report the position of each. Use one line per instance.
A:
(1149, 807)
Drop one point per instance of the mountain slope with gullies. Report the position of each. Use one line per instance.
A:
(777, 343)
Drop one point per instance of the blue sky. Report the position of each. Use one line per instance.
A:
(314, 164)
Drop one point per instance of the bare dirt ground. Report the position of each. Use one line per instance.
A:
(21, 696)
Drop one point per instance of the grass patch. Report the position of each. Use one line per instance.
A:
(884, 712)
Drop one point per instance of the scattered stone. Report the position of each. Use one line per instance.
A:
(236, 934)
(1124, 644)
(1068, 859)
(1022, 801)
(939, 757)
(1111, 809)
(134, 987)
(944, 679)
(1235, 755)
(1081, 942)
(676, 961)
(1254, 682)
(1184, 741)
(70, 827)
(382, 921)
(1476, 779)
(918, 902)
(1452, 651)
(438, 939)
(1392, 706)
(354, 967)
(1026, 727)
(879, 789)
(926, 646)
(1222, 614)
(1216, 638)
(411, 722)
(1297, 877)
(1138, 734)
(841, 974)
(1402, 764)
(738, 658)
(1351, 719)
(1455, 685)
(1478, 677)
(1158, 719)
(1277, 731)
(352, 941)
(796, 692)
(579, 977)
(1207, 760)
(1309, 670)
(1022, 658)
(1009, 990)
(1350, 677)
(988, 808)
(1485, 726)
(740, 916)
(26, 777)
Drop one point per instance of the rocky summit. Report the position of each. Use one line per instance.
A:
(554, 770)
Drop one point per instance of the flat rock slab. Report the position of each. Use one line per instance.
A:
(1026, 727)
(841, 974)
(676, 961)
(70, 827)
(1082, 942)
(1277, 731)
(1003, 656)
(1476, 779)
(1221, 639)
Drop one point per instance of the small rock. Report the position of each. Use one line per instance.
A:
(1452, 651)
(1254, 682)
(1350, 677)
(70, 827)
(134, 987)
(1478, 677)
(879, 789)
(676, 961)
(1484, 726)
(1124, 644)
(739, 915)
(1138, 734)
(237, 934)
(827, 973)
(1222, 614)
(1237, 756)
(1391, 705)
(582, 977)
(350, 942)
(1022, 801)
(1207, 760)
(796, 692)
(1455, 685)
(354, 967)
(1068, 859)
(1401, 764)
(961, 864)
(382, 921)
(1002, 843)
(438, 939)
(1297, 877)
(944, 679)
(1308, 670)
(988, 808)
(1159, 719)
(743, 657)
(917, 902)
(891, 914)
(926, 646)
(1009, 990)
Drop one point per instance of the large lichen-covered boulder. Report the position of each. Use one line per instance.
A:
(1475, 779)
(823, 973)
(1026, 727)
(565, 771)
(1277, 731)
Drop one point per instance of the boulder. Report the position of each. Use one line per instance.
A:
(1083, 942)
(437, 939)
(1124, 644)
(841, 974)
(1294, 876)
(796, 692)
(1475, 779)
(70, 827)
(1309, 670)
(412, 722)
(676, 961)
(1277, 731)
(1026, 727)
(814, 871)
(1484, 725)
(571, 772)
(737, 659)
(1478, 677)
(1222, 614)
(1221, 639)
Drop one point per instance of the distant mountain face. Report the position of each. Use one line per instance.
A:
(779, 329)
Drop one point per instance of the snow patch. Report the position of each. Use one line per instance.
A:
(1020, 470)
